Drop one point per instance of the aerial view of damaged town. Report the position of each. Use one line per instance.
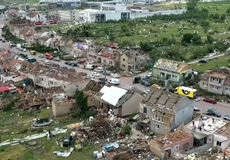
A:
(115, 80)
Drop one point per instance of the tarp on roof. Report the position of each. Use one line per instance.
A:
(112, 94)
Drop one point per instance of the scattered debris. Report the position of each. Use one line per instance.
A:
(64, 153)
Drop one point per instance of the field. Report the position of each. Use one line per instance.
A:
(18, 125)
(212, 64)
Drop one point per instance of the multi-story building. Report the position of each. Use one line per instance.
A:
(133, 60)
(216, 81)
(166, 111)
(69, 15)
(171, 70)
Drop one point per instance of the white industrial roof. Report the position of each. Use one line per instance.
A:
(112, 94)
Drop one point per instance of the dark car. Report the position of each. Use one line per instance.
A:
(145, 83)
(209, 100)
(136, 79)
(102, 82)
(213, 112)
(102, 79)
(172, 90)
(73, 64)
(68, 63)
(227, 117)
(202, 61)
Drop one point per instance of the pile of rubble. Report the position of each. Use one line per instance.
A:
(97, 130)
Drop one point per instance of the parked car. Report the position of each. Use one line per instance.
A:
(227, 117)
(156, 86)
(102, 79)
(68, 63)
(197, 99)
(202, 61)
(101, 82)
(172, 90)
(150, 74)
(115, 75)
(98, 69)
(145, 83)
(209, 100)
(95, 74)
(41, 55)
(81, 61)
(57, 59)
(196, 109)
(82, 74)
(114, 81)
(107, 73)
(136, 79)
(73, 64)
(3, 41)
(213, 112)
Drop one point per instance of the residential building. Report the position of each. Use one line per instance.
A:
(208, 132)
(166, 111)
(34, 17)
(61, 105)
(122, 102)
(46, 78)
(216, 81)
(90, 90)
(133, 60)
(171, 70)
(166, 146)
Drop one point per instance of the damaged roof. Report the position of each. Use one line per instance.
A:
(163, 100)
(172, 66)
(93, 86)
(173, 138)
(221, 73)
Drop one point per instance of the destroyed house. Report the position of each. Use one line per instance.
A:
(123, 102)
(166, 111)
(48, 77)
(216, 81)
(90, 90)
(166, 146)
(171, 70)
(208, 132)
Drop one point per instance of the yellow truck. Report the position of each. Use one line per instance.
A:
(32, 52)
(186, 91)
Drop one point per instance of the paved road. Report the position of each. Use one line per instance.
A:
(209, 58)
(224, 109)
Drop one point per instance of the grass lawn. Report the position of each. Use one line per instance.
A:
(212, 64)
(13, 122)
(44, 151)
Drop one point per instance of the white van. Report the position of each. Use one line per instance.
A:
(114, 81)
(89, 66)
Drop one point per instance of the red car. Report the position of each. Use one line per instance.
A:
(81, 61)
(209, 100)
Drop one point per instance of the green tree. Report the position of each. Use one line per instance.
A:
(81, 101)
(192, 5)
(210, 39)
(127, 129)
(196, 39)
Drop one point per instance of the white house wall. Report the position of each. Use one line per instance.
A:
(224, 141)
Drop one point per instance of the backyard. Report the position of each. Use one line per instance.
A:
(15, 124)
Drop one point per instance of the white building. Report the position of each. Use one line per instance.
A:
(69, 15)
(106, 12)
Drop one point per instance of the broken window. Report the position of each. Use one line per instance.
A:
(157, 126)
(162, 74)
(218, 143)
(145, 110)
